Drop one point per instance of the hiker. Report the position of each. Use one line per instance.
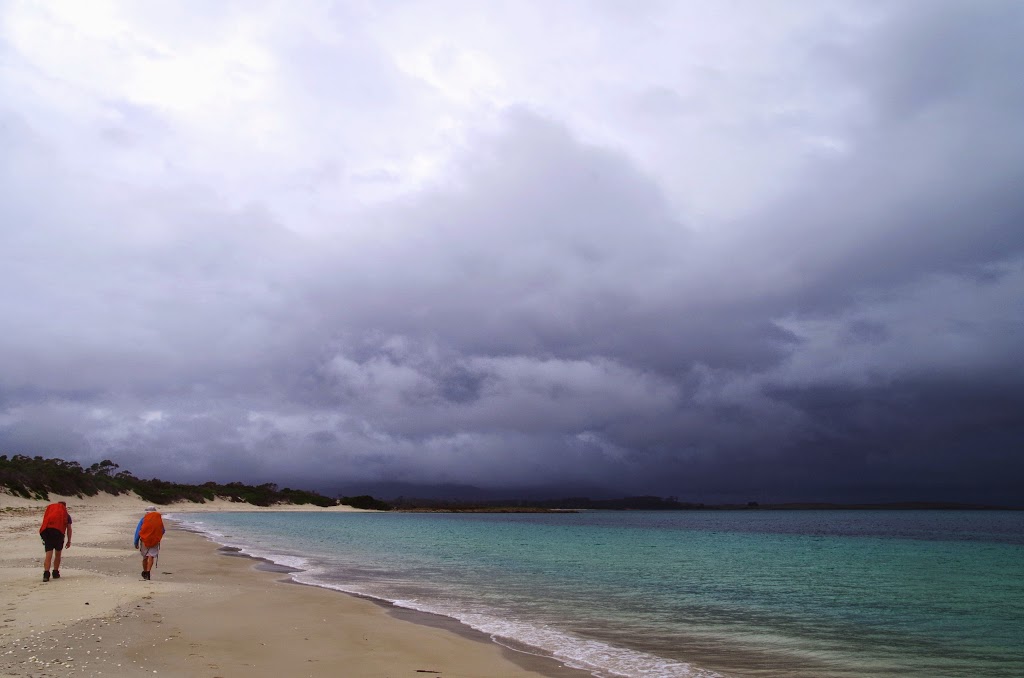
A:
(147, 539)
(56, 521)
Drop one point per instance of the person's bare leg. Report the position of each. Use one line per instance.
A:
(56, 559)
(46, 560)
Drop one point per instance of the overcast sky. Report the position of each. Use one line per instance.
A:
(721, 249)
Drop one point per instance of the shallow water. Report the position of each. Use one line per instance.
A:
(746, 593)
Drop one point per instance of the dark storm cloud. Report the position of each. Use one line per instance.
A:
(925, 438)
(931, 185)
(540, 313)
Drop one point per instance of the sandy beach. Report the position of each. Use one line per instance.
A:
(206, 613)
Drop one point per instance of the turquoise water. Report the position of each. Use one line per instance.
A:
(708, 593)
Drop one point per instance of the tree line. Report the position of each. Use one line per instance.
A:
(37, 477)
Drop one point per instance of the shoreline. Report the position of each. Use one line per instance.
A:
(205, 614)
(527, 659)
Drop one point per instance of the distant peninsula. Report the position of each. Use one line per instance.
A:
(652, 503)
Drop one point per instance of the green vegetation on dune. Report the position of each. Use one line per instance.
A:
(36, 478)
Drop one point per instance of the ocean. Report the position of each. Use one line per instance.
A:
(685, 593)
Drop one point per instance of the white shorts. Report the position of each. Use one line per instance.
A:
(149, 551)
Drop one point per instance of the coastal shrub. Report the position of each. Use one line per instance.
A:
(36, 477)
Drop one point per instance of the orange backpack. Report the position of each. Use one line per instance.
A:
(152, 530)
(56, 516)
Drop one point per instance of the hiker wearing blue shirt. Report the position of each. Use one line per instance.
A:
(148, 534)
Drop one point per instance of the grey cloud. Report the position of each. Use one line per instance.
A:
(540, 313)
(926, 188)
(934, 53)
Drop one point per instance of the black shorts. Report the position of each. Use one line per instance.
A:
(53, 539)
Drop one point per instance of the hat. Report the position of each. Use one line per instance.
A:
(150, 508)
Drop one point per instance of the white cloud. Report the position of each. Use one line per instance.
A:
(258, 94)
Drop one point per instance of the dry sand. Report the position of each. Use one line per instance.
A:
(205, 613)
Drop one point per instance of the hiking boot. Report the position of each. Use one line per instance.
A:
(145, 575)
(56, 574)
(46, 575)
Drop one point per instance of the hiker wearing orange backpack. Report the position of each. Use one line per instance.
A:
(56, 521)
(148, 534)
